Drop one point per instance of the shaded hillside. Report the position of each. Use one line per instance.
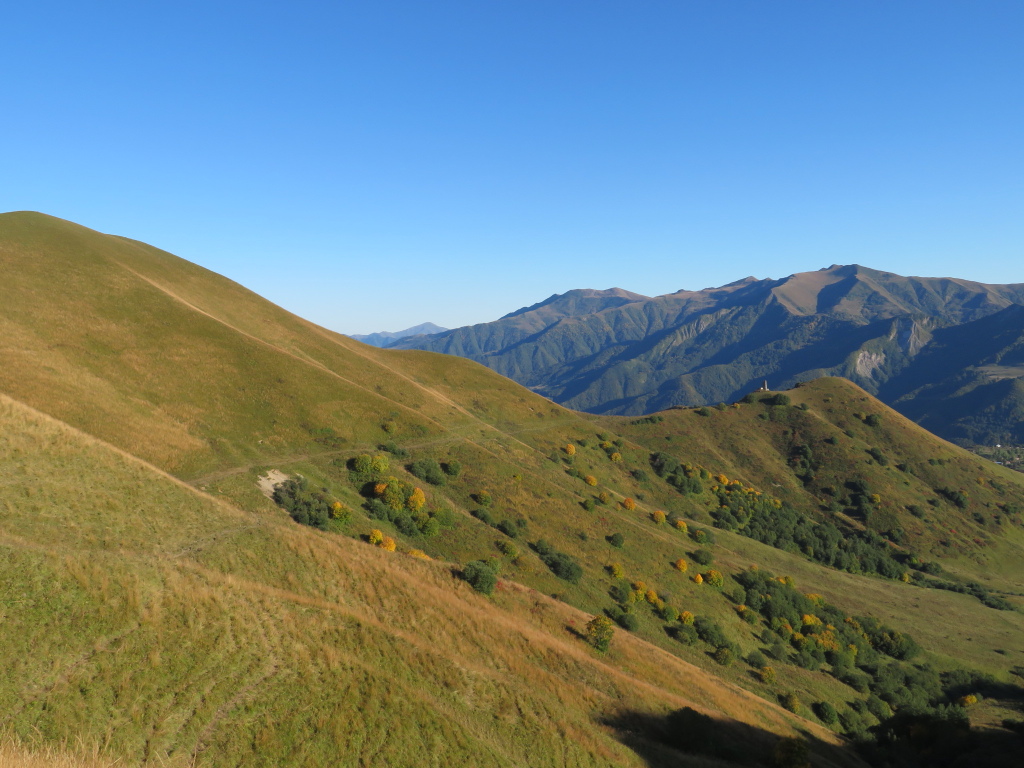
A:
(431, 456)
(696, 347)
(969, 381)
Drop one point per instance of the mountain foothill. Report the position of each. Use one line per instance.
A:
(232, 537)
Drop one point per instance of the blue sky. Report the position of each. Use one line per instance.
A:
(374, 165)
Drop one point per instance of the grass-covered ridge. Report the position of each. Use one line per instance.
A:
(427, 456)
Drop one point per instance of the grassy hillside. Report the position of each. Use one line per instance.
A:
(260, 639)
(167, 624)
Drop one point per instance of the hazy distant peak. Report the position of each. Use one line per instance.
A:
(384, 338)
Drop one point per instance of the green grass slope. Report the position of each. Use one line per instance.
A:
(169, 625)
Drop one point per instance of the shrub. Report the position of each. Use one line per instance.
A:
(826, 713)
(686, 618)
(570, 449)
(702, 556)
(376, 536)
(873, 420)
(452, 468)
(507, 548)
(680, 565)
(306, 505)
(629, 622)
(723, 655)
(483, 516)
(628, 504)
(766, 675)
(509, 528)
(791, 753)
(481, 576)
(681, 525)
(658, 517)
(757, 660)
(483, 498)
(684, 633)
(703, 536)
(703, 411)
(617, 540)
(388, 544)
(561, 564)
(714, 578)
(394, 450)
(588, 505)
(590, 480)
(616, 457)
(599, 632)
(603, 497)
(790, 701)
(428, 470)
(615, 569)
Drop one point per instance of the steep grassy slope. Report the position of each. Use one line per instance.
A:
(208, 381)
(695, 347)
(167, 624)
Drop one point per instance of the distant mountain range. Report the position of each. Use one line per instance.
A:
(946, 352)
(387, 338)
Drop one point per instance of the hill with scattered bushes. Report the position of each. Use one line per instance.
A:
(235, 538)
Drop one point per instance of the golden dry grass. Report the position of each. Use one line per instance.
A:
(167, 624)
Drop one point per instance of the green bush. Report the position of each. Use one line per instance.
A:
(452, 468)
(702, 556)
(306, 505)
(561, 564)
(427, 470)
(481, 575)
(617, 540)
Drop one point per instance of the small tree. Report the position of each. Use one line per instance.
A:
(590, 480)
(416, 500)
(388, 544)
(680, 565)
(686, 618)
(376, 536)
(615, 569)
(698, 579)
(603, 497)
(658, 517)
(616, 457)
(767, 675)
(452, 468)
(481, 576)
(791, 753)
(681, 526)
(599, 632)
(616, 540)
(826, 713)
(570, 450)
(628, 504)
(723, 655)
(790, 701)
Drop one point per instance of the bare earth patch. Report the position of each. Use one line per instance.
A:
(268, 481)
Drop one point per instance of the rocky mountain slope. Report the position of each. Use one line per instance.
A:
(717, 344)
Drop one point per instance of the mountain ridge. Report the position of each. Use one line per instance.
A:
(699, 347)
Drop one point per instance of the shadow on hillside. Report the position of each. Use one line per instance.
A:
(686, 737)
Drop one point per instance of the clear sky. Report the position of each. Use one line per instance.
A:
(372, 165)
